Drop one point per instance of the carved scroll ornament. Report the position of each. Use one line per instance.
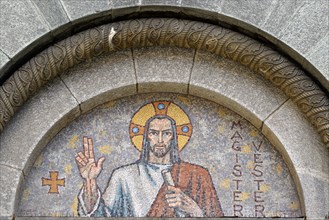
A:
(291, 79)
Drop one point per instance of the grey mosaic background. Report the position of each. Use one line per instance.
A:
(232, 153)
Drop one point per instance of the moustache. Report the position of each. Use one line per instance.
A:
(160, 145)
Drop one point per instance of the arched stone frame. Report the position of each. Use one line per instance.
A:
(167, 32)
(243, 45)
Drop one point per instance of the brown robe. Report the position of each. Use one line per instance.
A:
(195, 182)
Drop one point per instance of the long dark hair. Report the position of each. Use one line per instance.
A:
(174, 155)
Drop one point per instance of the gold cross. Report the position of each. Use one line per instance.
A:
(53, 182)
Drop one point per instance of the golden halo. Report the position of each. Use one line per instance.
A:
(162, 108)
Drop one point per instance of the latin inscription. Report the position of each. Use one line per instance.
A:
(239, 176)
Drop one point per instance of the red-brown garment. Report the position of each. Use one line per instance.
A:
(195, 182)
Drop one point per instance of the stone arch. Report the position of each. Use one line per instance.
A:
(167, 32)
(83, 46)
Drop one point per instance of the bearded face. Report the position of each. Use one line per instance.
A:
(159, 135)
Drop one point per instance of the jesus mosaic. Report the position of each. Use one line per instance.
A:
(159, 184)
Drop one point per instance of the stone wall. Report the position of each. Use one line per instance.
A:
(297, 28)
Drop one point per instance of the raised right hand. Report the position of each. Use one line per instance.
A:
(89, 168)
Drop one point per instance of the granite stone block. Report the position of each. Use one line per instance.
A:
(163, 69)
(4, 59)
(288, 127)
(10, 179)
(53, 12)
(102, 79)
(161, 9)
(161, 2)
(208, 10)
(140, 218)
(35, 124)
(253, 12)
(6, 218)
(127, 218)
(307, 26)
(316, 195)
(77, 9)
(319, 56)
(125, 3)
(124, 7)
(211, 5)
(280, 15)
(235, 87)
(21, 24)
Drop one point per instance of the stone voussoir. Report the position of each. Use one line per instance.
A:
(30, 129)
(113, 74)
(10, 178)
(155, 68)
(249, 95)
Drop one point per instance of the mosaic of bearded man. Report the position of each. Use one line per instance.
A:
(140, 189)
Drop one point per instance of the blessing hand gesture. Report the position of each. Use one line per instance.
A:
(89, 168)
